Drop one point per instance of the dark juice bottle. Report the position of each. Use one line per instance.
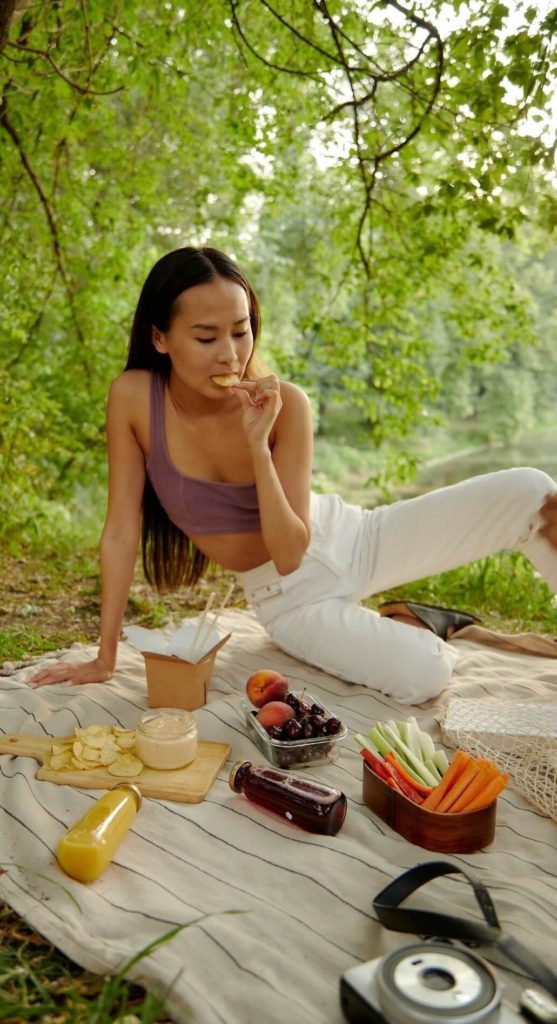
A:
(309, 804)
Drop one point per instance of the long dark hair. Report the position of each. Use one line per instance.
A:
(170, 558)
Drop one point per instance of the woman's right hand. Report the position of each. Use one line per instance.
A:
(97, 671)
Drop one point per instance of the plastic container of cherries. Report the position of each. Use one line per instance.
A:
(310, 737)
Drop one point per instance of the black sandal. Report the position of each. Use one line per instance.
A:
(437, 619)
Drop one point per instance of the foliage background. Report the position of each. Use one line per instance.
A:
(384, 172)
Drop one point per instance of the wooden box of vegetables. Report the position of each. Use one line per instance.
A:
(442, 806)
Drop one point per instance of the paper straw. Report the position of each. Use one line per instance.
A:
(201, 623)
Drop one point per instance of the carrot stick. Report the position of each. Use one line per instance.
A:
(488, 794)
(405, 788)
(458, 763)
(486, 773)
(418, 786)
(459, 785)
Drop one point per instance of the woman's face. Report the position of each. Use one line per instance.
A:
(209, 337)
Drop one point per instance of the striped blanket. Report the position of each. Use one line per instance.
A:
(304, 901)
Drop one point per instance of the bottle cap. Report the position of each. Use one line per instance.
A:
(236, 768)
(135, 790)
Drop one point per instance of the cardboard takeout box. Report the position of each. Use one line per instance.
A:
(175, 683)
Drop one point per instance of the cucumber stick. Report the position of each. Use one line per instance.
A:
(385, 747)
(387, 740)
(441, 760)
(382, 744)
(432, 767)
(366, 744)
(415, 762)
(413, 741)
(413, 748)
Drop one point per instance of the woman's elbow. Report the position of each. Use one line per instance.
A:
(285, 567)
(291, 559)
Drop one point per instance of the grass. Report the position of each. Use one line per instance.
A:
(504, 590)
(38, 983)
(51, 599)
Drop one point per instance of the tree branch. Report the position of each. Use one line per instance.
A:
(363, 80)
(52, 226)
(263, 60)
(85, 90)
(43, 198)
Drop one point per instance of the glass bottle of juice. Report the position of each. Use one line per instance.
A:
(311, 805)
(91, 842)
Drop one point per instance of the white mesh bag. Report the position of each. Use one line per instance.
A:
(519, 737)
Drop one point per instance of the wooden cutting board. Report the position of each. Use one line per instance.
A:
(188, 785)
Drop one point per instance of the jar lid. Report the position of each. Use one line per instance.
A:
(234, 772)
(135, 790)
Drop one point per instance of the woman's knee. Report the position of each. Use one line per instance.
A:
(527, 482)
(410, 665)
(423, 672)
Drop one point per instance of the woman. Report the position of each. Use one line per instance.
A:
(215, 461)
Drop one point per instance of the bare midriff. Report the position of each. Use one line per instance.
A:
(237, 552)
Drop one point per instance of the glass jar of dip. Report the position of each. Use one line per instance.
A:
(166, 738)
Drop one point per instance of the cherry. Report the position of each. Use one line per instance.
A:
(292, 730)
(333, 726)
(304, 709)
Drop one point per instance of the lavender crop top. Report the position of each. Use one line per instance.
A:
(195, 506)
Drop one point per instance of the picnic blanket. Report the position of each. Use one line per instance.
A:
(304, 901)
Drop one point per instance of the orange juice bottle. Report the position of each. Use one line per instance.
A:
(90, 844)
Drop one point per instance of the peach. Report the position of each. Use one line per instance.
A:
(276, 712)
(266, 685)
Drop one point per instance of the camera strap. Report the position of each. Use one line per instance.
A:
(424, 922)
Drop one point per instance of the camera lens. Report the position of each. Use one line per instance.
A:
(432, 982)
(438, 979)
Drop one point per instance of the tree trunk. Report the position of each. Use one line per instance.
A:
(7, 8)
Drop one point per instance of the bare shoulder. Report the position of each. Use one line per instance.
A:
(130, 386)
(294, 397)
(128, 404)
(295, 417)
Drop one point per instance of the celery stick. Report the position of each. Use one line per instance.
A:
(367, 745)
(408, 768)
(403, 731)
(432, 767)
(425, 775)
(413, 733)
(441, 760)
(386, 746)
(376, 737)
(427, 745)
(380, 726)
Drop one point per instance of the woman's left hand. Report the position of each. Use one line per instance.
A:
(261, 404)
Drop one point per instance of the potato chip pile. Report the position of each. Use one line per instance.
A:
(95, 746)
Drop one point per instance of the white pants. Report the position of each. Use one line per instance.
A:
(314, 612)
